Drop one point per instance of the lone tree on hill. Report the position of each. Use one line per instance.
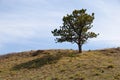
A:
(75, 28)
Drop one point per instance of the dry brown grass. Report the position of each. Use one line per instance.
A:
(61, 65)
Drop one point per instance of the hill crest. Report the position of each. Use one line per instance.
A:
(61, 65)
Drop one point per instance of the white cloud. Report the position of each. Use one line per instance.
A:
(107, 19)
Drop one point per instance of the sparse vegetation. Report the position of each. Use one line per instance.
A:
(61, 65)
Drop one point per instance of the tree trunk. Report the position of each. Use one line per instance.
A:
(80, 48)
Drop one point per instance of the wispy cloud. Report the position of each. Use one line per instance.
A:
(107, 19)
(29, 22)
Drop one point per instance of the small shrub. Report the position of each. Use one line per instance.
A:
(71, 77)
(72, 55)
(62, 70)
(112, 51)
(110, 66)
(97, 74)
(89, 50)
(37, 53)
(102, 71)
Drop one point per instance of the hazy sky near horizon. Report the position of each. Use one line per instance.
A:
(27, 24)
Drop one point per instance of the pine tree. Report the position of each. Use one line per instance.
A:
(75, 28)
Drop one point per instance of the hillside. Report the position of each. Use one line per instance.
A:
(61, 65)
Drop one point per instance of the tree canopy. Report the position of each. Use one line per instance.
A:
(75, 28)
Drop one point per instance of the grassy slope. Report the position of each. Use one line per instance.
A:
(61, 65)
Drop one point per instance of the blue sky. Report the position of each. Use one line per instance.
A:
(27, 24)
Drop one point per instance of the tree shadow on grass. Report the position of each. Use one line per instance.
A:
(39, 62)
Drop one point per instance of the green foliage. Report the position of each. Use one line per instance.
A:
(75, 28)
